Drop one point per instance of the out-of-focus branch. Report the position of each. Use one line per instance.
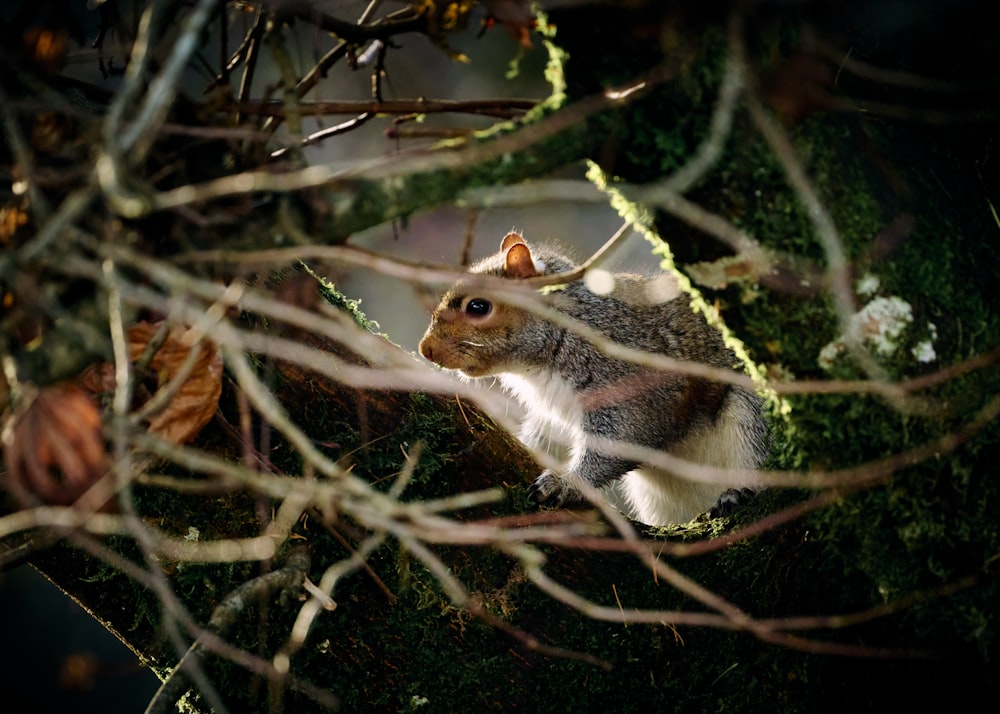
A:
(502, 108)
(226, 614)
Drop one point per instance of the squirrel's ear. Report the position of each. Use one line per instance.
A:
(519, 263)
(510, 239)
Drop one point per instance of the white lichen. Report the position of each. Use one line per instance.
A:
(881, 321)
(879, 324)
(868, 285)
(924, 350)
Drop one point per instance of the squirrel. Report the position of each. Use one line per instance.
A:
(568, 387)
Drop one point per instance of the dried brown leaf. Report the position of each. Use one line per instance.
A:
(193, 404)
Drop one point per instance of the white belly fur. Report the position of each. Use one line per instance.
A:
(554, 414)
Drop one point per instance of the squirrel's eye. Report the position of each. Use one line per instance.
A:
(477, 307)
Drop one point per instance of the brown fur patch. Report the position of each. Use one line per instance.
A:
(694, 397)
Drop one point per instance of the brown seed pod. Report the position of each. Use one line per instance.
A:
(54, 449)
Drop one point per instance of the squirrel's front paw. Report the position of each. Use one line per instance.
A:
(550, 490)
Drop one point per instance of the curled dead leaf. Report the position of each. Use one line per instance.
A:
(192, 403)
(54, 449)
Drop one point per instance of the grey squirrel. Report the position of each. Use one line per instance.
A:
(570, 388)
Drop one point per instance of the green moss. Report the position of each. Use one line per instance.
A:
(926, 530)
(340, 301)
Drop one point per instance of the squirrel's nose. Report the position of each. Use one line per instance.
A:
(425, 350)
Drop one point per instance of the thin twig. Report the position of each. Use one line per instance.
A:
(225, 615)
(503, 108)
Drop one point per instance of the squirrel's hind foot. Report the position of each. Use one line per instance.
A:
(730, 501)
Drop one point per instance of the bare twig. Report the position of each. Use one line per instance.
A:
(226, 614)
(503, 108)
